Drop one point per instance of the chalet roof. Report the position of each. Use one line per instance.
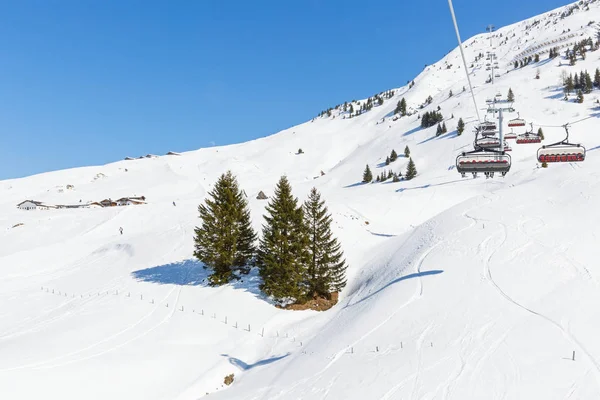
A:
(37, 203)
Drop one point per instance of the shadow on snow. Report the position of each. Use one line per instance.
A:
(402, 278)
(244, 366)
(193, 273)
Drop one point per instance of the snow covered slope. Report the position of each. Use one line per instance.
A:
(458, 288)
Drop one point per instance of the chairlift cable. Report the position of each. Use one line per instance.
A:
(462, 53)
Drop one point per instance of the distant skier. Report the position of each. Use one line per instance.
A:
(121, 230)
(174, 204)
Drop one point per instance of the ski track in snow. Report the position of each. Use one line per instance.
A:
(566, 334)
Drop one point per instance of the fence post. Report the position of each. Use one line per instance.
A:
(226, 320)
(181, 308)
(248, 327)
(203, 311)
(235, 324)
(377, 348)
(573, 355)
(351, 350)
(141, 297)
(401, 345)
(167, 305)
(152, 301)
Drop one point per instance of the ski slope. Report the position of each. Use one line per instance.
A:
(458, 288)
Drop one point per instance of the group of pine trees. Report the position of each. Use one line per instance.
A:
(297, 256)
(356, 108)
(411, 170)
(391, 158)
(554, 52)
(580, 83)
(430, 118)
(401, 108)
(441, 129)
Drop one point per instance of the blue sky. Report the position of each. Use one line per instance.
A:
(87, 82)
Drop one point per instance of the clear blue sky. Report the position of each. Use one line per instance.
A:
(85, 82)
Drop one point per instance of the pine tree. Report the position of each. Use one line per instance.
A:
(438, 132)
(390, 174)
(511, 95)
(569, 85)
(411, 170)
(579, 96)
(378, 178)
(283, 251)
(597, 78)
(326, 272)
(516, 64)
(406, 152)
(540, 133)
(393, 156)
(395, 177)
(444, 129)
(387, 160)
(537, 58)
(460, 128)
(225, 242)
(589, 84)
(367, 175)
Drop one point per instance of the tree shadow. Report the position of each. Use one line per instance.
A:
(381, 234)
(427, 186)
(402, 278)
(448, 135)
(193, 273)
(414, 130)
(355, 185)
(184, 273)
(244, 366)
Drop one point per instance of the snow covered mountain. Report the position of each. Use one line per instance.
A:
(458, 288)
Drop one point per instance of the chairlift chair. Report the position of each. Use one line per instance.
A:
(529, 137)
(516, 122)
(487, 142)
(510, 135)
(562, 151)
(485, 161)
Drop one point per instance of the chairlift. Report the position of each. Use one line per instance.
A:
(562, 151)
(485, 161)
(516, 122)
(510, 135)
(487, 142)
(529, 137)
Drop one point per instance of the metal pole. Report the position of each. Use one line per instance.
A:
(501, 131)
